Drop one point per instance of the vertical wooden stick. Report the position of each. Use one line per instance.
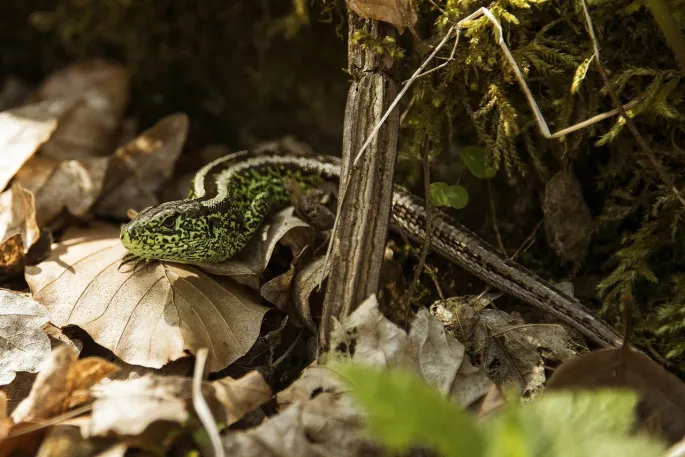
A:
(364, 215)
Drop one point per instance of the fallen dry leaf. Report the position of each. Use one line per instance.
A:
(441, 361)
(662, 401)
(305, 282)
(313, 381)
(18, 228)
(277, 290)
(21, 443)
(138, 169)
(491, 402)
(240, 396)
(399, 13)
(147, 314)
(281, 435)
(437, 355)
(22, 131)
(368, 337)
(329, 415)
(568, 221)
(248, 265)
(71, 184)
(23, 344)
(512, 351)
(12, 256)
(129, 407)
(59, 384)
(98, 92)
(5, 422)
(508, 349)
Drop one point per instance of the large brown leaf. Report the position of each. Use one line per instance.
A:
(147, 314)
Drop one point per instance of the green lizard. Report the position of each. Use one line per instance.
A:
(230, 197)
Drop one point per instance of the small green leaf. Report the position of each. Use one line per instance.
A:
(403, 411)
(477, 162)
(442, 194)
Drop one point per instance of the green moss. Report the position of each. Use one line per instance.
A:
(637, 216)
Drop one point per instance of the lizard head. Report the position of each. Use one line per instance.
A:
(178, 231)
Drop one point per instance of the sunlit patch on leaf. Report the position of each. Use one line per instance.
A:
(129, 407)
(22, 131)
(580, 73)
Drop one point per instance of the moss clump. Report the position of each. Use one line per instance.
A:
(637, 246)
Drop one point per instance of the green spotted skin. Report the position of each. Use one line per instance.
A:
(227, 202)
(230, 197)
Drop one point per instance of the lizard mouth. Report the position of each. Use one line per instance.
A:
(125, 237)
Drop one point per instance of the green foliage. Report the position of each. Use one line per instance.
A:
(454, 196)
(476, 100)
(566, 424)
(404, 411)
(477, 162)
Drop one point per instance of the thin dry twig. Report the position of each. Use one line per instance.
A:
(494, 219)
(523, 246)
(622, 110)
(200, 405)
(429, 227)
(432, 272)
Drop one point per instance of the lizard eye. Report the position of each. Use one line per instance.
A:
(169, 222)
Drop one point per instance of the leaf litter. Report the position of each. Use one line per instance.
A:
(153, 315)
